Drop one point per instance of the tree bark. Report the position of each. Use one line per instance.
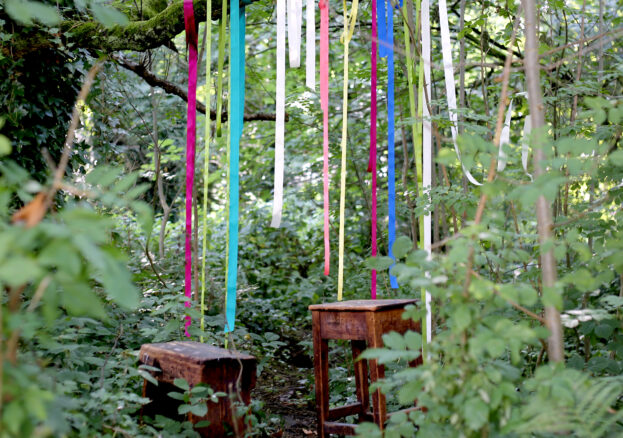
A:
(140, 35)
(555, 346)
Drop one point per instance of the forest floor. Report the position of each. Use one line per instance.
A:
(285, 391)
(285, 385)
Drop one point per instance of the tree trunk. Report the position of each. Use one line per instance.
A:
(555, 348)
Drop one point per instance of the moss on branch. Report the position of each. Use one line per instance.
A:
(138, 35)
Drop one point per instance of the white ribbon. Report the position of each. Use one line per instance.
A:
(295, 21)
(310, 45)
(525, 144)
(505, 137)
(280, 113)
(446, 51)
(427, 145)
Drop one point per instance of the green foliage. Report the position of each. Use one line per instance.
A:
(95, 287)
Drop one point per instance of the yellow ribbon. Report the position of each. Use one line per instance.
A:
(349, 28)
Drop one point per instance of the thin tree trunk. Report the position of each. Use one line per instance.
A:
(405, 184)
(166, 208)
(555, 347)
(462, 82)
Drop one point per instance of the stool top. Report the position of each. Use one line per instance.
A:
(190, 351)
(362, 305)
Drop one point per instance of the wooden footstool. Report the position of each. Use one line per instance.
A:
(363, 322)
(199, 363)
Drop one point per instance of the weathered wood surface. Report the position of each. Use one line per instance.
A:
(199, 363)
(363, 305)
(364, 322)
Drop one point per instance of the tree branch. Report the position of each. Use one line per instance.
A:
(138, 35)
(172, 88)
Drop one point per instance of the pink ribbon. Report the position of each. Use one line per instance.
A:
(191, 126)
(372, 161)
(324, 105)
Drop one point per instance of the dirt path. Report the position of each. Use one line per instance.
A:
(286, 393)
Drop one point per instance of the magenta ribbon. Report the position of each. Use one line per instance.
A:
(373, 153)
(324, 105)
(191, 127)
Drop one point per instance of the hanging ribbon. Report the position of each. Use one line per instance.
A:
(525, 144)
(417, 143)
(295, 21)
(385, 20)
(323, 5)
(221, 60)
(206, 161)
(505, 138)
(446, 50)
(349, 28)
(373, 152)
(191, 127)
(427, 148)
(382, 25)
(280, 113)
(391, 160)
(236, 113)
(310, 45)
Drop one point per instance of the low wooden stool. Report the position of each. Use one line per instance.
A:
(198, 363)
(362, 322)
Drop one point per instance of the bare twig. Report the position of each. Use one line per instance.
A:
(517, 306)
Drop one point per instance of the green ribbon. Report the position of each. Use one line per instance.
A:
(206, 163)
(221, 62)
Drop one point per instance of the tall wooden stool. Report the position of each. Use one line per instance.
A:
(363, 322)
(223, 370)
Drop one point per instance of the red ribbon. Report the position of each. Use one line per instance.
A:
(324, 105)
(191, 126)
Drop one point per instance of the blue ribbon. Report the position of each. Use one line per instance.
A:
(385, 20)
(391, 162)
(237, 24)
(381, 20)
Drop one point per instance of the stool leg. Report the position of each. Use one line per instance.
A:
(321, 371)
(377, 372)
(361, 378)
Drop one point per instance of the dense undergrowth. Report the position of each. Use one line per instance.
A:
(102, 272)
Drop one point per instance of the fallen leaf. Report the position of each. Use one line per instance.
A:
(31, 213)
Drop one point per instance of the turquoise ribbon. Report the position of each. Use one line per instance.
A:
(237, 24)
